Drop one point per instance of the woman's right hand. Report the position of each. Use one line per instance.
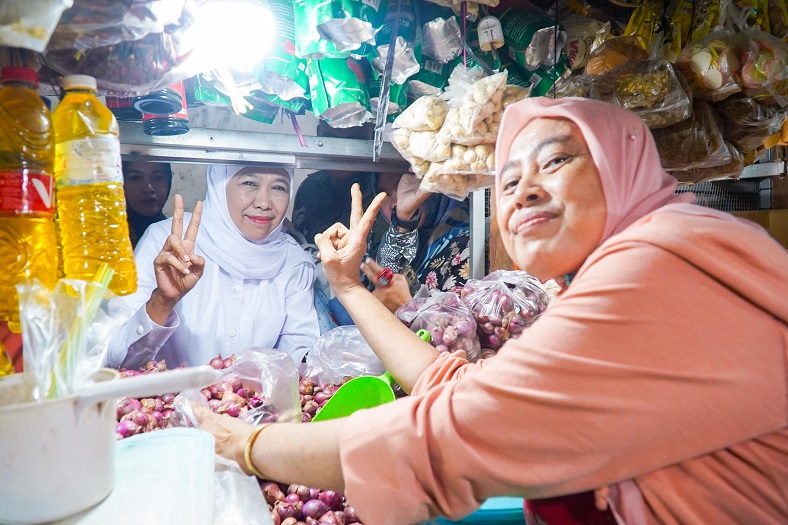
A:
(341, 249)
(177, 267)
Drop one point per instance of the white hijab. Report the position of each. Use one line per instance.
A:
(223, 243)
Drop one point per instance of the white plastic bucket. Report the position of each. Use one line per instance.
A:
(57, 456)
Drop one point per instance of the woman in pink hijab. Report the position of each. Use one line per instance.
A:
(658, 375)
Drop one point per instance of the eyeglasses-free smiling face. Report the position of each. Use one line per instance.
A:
(257, 199)
(551, 208)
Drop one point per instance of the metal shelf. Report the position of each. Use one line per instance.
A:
(205, 145)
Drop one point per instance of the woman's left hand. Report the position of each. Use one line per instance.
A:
(230, 434)
(393, 295)
(341, 249)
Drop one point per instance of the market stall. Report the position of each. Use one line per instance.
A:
(710, 79)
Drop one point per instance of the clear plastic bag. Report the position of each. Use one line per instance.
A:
(649, 88)
(441, 39)
(237, 497)
(66, 334)
(128, 68)
(747, 123)
(425, 114)
(448, 320)
(271, 374)
(98, 23)
(503, 304)
(614, 53)
(694, 143)
(711, 66)
(730, 170)
(343, 352)
(764, 70)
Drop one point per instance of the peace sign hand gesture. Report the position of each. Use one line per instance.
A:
(176, 267)
(341, 249)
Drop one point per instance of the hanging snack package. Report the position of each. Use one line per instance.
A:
(679, 15)
(282, 73)
(335, 28)
(747, 123)
(711, 66)
(484, 98)
(532, 37)
(152, 62)
(645, 22)
(339, 95)
(441, 39)
(398, 97)
(694, 143)
(98, 23)
(201, 90)
(778, 18)
(29, 25)
(448, 320)
(426, 114)
(407, 47)
(583, 36)
(706, 16)
(650, 88)
(730, 170)
(431, 78)
(576, 86)
(541, 81)
(503, 304)
(613, 53)
(764, 67)
(756, 13)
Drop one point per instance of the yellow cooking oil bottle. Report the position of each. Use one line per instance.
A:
(28, 246)
(91, 206)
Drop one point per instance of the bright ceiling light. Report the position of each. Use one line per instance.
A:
(233, 34)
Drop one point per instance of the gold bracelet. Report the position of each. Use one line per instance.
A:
(248, 450)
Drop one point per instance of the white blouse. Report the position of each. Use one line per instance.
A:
(220, 315)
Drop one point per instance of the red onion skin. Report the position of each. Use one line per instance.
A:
(255, 402)
(320, 397)
(206, 394)
(313, 493)
(126, 405)
(232, 410)
(292, 498)
(275, 518)
(286, 510)
(218, 389)
(217, 362)
(127, 428)
(314, 508)
(350, 515)
(214, 404)
(333, 500)
(272, 493)
(311, 406)
(340, 517)
(228, 361)
(168, 399)
(310, 521)
(243, 392)
(150, 365)
(305, 418)
(234, 382)
(289, 521)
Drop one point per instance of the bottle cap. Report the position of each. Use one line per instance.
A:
(79, 81)
(19, 73)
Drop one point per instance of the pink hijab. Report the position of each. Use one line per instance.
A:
(621, 145)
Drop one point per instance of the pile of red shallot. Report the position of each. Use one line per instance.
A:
(135, 416)
(293, 505)
(302, 505)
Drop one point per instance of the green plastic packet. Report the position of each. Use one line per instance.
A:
(282, 73)
(431, 78)
(407, 48)
(530, 36)
(335, 28)
(398, 98)
(541, 80)
(338, 92)
(202, 91)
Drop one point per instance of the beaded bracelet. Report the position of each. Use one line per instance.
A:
(248, 450)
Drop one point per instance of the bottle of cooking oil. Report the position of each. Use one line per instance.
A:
(28, 246)
(91, 206)
(6, 367)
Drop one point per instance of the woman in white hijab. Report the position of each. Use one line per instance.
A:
(233, 281)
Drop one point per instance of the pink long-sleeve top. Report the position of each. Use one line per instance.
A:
(664, 363)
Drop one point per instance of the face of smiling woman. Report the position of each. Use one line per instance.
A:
(551, 209)
(257, 199)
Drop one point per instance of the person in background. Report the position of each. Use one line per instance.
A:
(147, 186)
(323, 198)
(657, 377)
(234, 280)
